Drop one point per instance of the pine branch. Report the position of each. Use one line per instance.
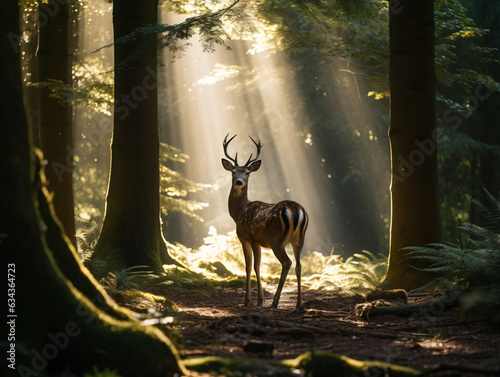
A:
(174, 37)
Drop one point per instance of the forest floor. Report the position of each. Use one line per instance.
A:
(216, 323)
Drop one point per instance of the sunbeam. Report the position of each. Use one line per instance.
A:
(210, 95)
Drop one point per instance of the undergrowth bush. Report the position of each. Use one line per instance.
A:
(361, 272)
(220, 262)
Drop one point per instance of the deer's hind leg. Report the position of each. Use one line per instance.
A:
(297, 245)
(279, 251)
(297, 250)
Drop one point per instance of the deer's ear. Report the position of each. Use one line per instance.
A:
(227, 165)
(254, 166)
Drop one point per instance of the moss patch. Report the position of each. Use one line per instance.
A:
(315, 364)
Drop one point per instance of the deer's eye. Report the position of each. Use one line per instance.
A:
(248, 173)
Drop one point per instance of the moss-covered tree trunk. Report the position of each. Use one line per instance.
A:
(131, 232)
(415, 217)
(53, 328)
(55, 116)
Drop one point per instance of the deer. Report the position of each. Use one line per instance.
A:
(260, 224)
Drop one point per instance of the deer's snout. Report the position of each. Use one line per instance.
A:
(239, 182)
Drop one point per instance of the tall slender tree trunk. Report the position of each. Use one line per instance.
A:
(55, 116)
(131, 233)
(53, 329)
(415, 217)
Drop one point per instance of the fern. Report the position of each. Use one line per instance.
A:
(127, 278)
(86, 239)
(490, 214)
(474, 263)
(358, 274)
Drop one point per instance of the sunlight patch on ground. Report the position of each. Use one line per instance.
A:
(208, 312)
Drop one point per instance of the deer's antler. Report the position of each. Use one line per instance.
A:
(259, 146)
(225, 143)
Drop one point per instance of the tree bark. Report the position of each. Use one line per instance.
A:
(415, 217)
(131, 233)
(54, 328)
(55, 116)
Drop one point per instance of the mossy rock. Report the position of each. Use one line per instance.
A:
(231, 367)
(315, 364)
(321, 363)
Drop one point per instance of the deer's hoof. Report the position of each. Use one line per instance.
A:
(299, 305)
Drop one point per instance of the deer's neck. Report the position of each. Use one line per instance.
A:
(238, 198)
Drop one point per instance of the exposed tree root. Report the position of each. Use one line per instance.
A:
(65, 254)
(399, 308)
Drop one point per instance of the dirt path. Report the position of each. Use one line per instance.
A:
(217, 324)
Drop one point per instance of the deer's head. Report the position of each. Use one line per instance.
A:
(241, 172)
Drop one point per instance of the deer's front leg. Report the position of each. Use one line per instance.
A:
(256, 264)
(247, 251)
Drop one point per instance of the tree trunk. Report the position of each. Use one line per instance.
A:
(131, 232)
(53, 328)
(55, 116)
(29, 69)
(415, 218)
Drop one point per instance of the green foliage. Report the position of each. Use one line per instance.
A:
(92, 86)
(358, 32)
(462, 157)
(86, 238)
(225, 249)
(93, 83)
(90, 189)
(174, 187)
(358, 274)
(473, 263)
(489, 210)
(208, 25)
